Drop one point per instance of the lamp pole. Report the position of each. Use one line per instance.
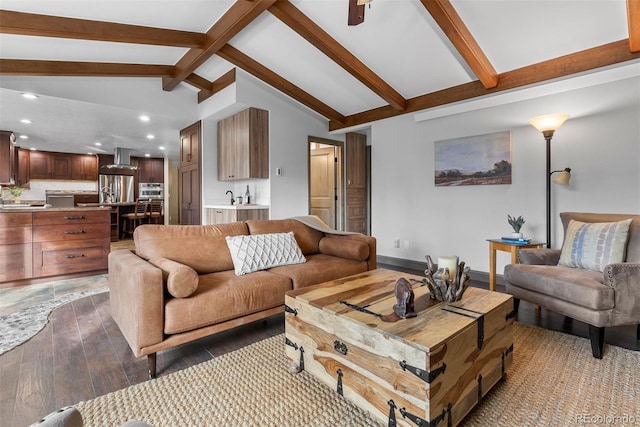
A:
(548, 134)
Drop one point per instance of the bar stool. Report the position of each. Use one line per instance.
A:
(135, 218)
(156, 211)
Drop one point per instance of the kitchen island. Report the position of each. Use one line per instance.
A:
(41, 242)
(115, 218)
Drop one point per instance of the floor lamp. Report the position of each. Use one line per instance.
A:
(548, 124)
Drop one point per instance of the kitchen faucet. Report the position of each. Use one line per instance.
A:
(232, 199)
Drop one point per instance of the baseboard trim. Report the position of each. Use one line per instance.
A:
(481, 276)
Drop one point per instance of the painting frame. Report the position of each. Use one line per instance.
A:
(473, 160)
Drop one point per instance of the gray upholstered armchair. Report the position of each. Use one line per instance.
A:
(610, 297)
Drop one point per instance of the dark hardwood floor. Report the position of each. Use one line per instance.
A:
(81, 354)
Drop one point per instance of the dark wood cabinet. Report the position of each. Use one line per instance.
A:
(356, 183)
(243, 145)
(47, 165)
(15, 246)
(151, 170)
(23, 167)
(189, 175)
(8, 164)
(84, 167)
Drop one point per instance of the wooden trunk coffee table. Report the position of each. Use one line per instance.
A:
(424, 370)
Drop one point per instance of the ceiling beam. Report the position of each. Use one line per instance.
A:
(310, 31)
(237, 17)
(29, 24)
(25, 67)
(258, 70)
(586, 60)
(207, 88)
(633, 16)
(454, 28)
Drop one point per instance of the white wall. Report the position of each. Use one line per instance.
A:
(289, 126)
(600, 142)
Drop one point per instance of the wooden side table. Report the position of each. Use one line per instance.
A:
(512, 248)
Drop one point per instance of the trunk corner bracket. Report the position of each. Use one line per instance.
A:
(426, 376)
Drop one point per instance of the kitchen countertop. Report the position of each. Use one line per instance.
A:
(8, 209)
(236, 207)
(104, 205)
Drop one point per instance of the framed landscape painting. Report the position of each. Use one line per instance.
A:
(474, 160)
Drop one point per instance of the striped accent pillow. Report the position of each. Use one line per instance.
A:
(594, 245)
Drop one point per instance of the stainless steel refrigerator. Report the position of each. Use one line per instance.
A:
(116, 189)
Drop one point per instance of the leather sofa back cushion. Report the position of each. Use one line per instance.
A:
(180, 280)
(201, 247)
(308, 239)
(344, 247)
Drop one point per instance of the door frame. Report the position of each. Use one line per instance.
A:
(339, 152)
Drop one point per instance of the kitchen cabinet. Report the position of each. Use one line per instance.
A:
(23, 167)
(8, 164)
(189, 175)
(84, 167)
(221, 215)
(190, 145)
(356, 183)
(48, 165)
(15, 246)
(150, 170)
(243, 145)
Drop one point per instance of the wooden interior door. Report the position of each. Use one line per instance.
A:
(323, 185)
(189, 175)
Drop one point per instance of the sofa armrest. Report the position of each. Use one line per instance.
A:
(136, 295)
(541, 256)
(624, 278)
(351, 246)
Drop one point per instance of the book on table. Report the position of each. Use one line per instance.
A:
(520, 241)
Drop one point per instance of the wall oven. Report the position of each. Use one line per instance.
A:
(151, 191)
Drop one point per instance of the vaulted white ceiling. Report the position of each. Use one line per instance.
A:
(399, 42)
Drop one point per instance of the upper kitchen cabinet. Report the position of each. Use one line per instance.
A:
(46, 165)
(8, 164)
(243, 145)
(151, 170)
(84, 167)
(190, 145)
(23, 167)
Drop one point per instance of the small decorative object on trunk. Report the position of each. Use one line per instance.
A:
(516, 224)
(404, 298)
(449, 281)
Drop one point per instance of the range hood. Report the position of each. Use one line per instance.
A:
(122, 159)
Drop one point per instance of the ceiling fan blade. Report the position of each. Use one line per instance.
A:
(356, 13)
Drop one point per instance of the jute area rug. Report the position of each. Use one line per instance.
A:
(554, 381)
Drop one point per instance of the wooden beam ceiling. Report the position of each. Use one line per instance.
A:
(24, 67)
(457, 32)
(310, 31)
(207, 88)
(251, 66)
(589, 59)
(29, 24)
(239, 15)
(633, 17)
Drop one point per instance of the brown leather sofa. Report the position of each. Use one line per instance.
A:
(143, 283)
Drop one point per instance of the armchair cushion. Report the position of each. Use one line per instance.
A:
(594, 245)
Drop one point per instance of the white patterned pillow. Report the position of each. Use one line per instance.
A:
(261, 251)
(594, 245)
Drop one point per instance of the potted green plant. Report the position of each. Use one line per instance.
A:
(16, 192)
(516, 224)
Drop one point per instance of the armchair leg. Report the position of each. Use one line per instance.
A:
(596, 335)
(151, 359)
(516, 305)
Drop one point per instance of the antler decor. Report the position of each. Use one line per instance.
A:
(442, 285)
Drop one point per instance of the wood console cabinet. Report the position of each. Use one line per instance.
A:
(243, 145)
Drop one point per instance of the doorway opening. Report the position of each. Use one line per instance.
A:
(326, 181)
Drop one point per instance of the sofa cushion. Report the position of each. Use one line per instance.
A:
(579, 286)
(180, 280)
(594, 245)
(308, 239)
(201, 247)
(344, 247)
(224, 296)
(320, 268)
(261, 251)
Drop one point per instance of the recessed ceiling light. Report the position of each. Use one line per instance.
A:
(23, 137)
(144, 118)
(147, 155)
(26, 121)
(33, 149)
(30, 95)
(150, 136)
(98, 144)
(160, 148)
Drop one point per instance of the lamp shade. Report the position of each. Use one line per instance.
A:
(549, 122)
(563, 177)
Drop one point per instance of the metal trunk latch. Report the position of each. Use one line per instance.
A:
(340, 347)
(424, 423)
(479, 388)
(392, 413)
(288, 309)
(426, 376)
(504, 356)
(290, 343)
(339, 390)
